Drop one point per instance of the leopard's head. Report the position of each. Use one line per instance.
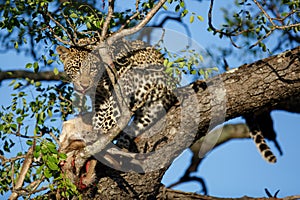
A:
(81, 65)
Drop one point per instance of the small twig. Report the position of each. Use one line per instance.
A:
(128, 21)
(74, 35)
(233, 43)
(185, 179)
(137, 2)
(6, 160)
(274, 26)
(31, 188)
(54, 137)
(289, 14)
(12, 175)
(18, 134)
(40, 76)
(235, 32)
(125, 32)
(278, 19)
(108, 18)
(61, 97)
(58, 38)
(264, 12)
(61, 26)
(230, 34)
(91, 32)
(262, 38)
(26, 192)
(287, 26)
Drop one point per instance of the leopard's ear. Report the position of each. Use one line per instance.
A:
(62, 52)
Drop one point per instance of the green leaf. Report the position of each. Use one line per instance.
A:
(5, 147)
(55, 71)
(17, 85)
(40, 169)
(20, 120)
(12, 82)
(182, 4)
(166, 61)
(29, 142)
(52, 147)
(52, 165)
(170, 64)
(200, 18)
(49, 113)
(165, 7)
(28, 65)
(36, 67)
(16, 45)
(50, 62)
(184, 13)
(88, 25)
(192, 17)
(38, 84)
(47, 173)
(201, 58)
(178, 60)
(177, 8)
(74, 15)
(36, 154)
(62, 156)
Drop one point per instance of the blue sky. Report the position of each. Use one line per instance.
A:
(236, 168)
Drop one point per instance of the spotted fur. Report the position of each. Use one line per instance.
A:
(146, 89)
(258, 138)
(262, 146)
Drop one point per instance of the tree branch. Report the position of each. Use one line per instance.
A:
(26, 165)
(175, 194)
(126, 32)
(236, 31)
(108, 18)
(40, 76)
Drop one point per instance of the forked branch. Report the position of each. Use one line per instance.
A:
(26, 165)
(138, 27)
(240, 30)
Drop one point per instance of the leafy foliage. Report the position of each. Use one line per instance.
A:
(249, 24)
(32, 121)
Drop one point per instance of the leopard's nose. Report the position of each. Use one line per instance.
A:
(82, 86)
(85, 84)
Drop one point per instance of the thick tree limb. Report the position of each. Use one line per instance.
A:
(262, 85)
(175, 194)
(40, 76)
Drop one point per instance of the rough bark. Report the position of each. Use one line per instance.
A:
(263, 85)
(40, 76)
(173, 194)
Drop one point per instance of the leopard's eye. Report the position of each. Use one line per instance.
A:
(72, 71)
